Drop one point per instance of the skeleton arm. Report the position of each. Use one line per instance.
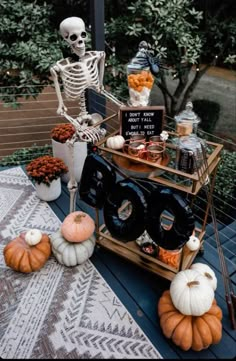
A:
(101, 68)
(61, 107)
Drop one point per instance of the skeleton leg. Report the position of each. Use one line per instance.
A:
(72, 184)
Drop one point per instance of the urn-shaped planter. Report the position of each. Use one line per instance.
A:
(61, 150)
(49, 192)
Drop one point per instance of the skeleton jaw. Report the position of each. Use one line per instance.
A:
(78, 50)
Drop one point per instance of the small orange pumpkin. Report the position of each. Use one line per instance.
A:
(196, 332)
(26, 258)
(77, 227)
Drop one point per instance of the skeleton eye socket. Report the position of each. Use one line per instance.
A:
(73, 37)
(83, 34)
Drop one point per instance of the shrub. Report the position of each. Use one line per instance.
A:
(224, 192)
(25, 155)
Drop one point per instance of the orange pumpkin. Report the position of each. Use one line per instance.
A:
(196, 332)
(77, 227)
(22, 257)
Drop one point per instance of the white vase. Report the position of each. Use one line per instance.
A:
(49, 193)
(61, 150)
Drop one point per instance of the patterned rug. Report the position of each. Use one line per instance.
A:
(57, 312)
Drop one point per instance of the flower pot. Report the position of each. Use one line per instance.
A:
(61, 150)
(49, 193)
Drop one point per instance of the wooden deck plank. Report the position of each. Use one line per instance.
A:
(213, 258)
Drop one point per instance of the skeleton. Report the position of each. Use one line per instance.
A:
(84, 69)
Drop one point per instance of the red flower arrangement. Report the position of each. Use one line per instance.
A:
(62, 132)
(45, 169)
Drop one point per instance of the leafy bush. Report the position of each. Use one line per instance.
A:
(25, 155)
(224, 190)
(209, 112)
(181, 34)
(29, 46)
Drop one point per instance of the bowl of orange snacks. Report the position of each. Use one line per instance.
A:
(140, 83)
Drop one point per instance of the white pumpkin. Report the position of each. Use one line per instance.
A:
(191, 293)
(33, 237)
(207, 272)
(193, 243)
(71, 254)
(115, 142)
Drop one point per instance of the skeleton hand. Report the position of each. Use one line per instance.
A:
(61, 109)
(101, 88)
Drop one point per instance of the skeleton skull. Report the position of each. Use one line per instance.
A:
(73, 32)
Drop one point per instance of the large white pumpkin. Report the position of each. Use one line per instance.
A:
(207, 272)
(191, 293)
(71, 254)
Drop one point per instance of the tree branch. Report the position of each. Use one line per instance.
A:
(198, 75)
(168, 97)
(164, 89)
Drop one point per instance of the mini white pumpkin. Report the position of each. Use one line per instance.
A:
(71, 254)
(207, 272)
(193, 243)
(33, 237)
(191, 293)
(115, 142)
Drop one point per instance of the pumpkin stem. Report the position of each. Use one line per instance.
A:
(208, 275)
(78, 218)
(192, 284)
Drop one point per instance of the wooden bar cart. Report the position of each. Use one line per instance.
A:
(164, 174)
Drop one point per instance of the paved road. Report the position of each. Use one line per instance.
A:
(218, 85)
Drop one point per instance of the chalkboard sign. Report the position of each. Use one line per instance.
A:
(144, 120)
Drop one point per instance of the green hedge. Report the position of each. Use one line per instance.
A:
(25, 155)
(224, 192)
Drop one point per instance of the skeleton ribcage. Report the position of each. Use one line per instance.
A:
(78, 76)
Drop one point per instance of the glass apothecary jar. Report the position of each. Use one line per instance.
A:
(190, 155)
(187, 121)
(140, 79)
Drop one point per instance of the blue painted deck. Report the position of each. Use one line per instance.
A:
(140, 290)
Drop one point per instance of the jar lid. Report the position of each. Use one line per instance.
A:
(187, 115)
(140, 60)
